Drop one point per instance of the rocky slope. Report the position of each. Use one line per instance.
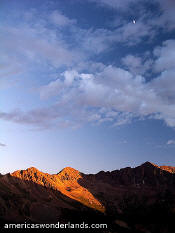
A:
(140, 199)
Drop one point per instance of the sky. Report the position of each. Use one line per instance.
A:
(87, 84)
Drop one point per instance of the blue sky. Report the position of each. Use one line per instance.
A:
(87, 84)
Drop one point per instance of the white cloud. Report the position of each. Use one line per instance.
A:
(170, 142)
(166, 18)
(147, 23)
(133, 33)
(113, 95)
(59, 19)
(116, 4)
(51, 89)
(136, 65)
(35, 45)
(121, 95)
(88, 91)
(69, 76)
(132, 61)
(83, 96)
(94, 41)
(164, 86)
(165, 56)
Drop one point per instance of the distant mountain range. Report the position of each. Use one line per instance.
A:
(140, 199)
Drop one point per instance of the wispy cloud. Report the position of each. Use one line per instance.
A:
(115, 4)
(59, 19)
(85, 98)
(170, 142)
(84, 89)
(136, 65)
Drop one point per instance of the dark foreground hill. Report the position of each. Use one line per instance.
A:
(140, 199)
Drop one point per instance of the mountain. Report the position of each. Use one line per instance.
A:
(140, 199)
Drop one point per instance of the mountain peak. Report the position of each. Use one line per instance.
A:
(149, 164)
(69, 173)
(28, 170)
(32, 169)
(68, 169)
(31, 173)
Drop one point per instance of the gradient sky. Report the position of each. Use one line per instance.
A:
(86, 83)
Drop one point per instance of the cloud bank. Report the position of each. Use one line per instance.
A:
(86, 89)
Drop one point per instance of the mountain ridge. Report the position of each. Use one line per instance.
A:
(68, 169)
(129, 198)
